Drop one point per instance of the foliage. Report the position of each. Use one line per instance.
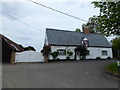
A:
(108, 57)
(54, 54)
(82, 50)
(21, 46)
(116, 46)
(70, 53)
(78, 30)
(46, 50)
(108, 21)
(113, 68)
(116, 43)
(92, 24)
(98, 58)
(29, 48)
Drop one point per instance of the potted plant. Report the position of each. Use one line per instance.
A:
(69, 53)
(54, 55)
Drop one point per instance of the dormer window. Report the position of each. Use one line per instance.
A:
(85, 42)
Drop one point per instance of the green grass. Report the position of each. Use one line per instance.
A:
(112, 68)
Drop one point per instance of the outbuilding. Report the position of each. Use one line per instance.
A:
(8, 49)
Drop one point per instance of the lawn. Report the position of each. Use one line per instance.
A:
(113, 69)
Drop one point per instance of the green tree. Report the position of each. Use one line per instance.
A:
(108, 19)
(29, 48)
(54, 54)
(78, 30)
(116, 46)
(92, 24)
(82, 50)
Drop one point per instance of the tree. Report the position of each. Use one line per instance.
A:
(54, 54)
(116, 46)
(82, 50)
(21, 46)
(108, 19)
(46, 51)
(29, 48)
(92, 24)
(78, 30)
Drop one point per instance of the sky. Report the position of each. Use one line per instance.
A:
(39, 18)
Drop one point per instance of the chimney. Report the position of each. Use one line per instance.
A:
(86, 30)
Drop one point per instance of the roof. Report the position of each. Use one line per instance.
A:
(13, 45)
(65, 37)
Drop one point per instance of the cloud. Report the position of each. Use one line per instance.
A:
(41, 18)
(24, 38)
(12, 8)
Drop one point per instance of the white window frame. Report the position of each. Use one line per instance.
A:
(104, 53)
(61, 52)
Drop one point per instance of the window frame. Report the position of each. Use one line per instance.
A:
(62, 52)
(104, 53)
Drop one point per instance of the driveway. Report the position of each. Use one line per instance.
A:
(77, 74)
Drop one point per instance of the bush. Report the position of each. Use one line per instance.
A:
(109, 58)
(58, 59)
(70, 53)
(68, 58)
(54, 55)
(82, 50)
(113, 69)
(98, 58)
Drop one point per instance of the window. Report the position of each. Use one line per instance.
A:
(61, 52)
(104, 53)
(85, 43)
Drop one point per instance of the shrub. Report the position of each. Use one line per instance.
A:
(112, 68)
(82, 50)
(68, 58)
(54, 54)
(98, 58)
(108, 57)
(70, 53)
(58, 59)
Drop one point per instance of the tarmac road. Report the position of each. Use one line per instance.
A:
(75, 74)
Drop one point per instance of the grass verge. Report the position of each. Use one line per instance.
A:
(113, 69)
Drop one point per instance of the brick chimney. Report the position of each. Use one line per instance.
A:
(86, 30)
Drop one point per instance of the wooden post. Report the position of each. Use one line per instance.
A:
(12, 58)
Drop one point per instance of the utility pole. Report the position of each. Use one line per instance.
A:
(118, 62)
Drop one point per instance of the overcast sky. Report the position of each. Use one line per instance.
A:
(41, 18)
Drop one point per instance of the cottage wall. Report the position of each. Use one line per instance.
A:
(55, 48)
(94, 52)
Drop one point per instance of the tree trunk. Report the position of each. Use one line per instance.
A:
(45, 58)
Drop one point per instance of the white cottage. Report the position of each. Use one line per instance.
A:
(63, 40)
